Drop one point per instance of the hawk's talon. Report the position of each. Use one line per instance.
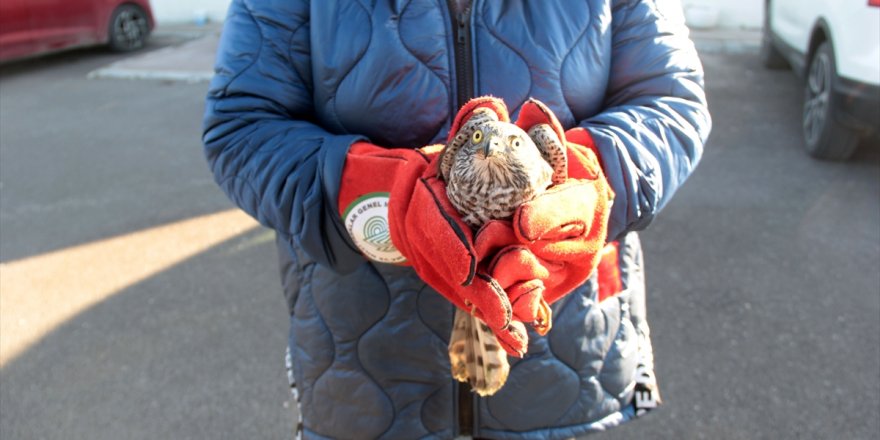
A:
(544, 318)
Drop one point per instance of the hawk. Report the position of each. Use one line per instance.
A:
(490, 168)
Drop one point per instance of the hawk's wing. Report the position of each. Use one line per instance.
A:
(447, 156)
(552, 150)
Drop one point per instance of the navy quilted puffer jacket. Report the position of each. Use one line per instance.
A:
(298, 82)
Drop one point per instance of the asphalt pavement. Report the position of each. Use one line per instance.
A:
(136, 303)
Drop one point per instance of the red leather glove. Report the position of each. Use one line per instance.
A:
(566, 227)
(517, 269)
(395, 208)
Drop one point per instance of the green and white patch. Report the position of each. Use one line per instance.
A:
(366, 220)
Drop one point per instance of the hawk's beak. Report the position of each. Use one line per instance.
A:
(490, 147)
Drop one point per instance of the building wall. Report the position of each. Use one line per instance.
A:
(731, 14)
(188, 11)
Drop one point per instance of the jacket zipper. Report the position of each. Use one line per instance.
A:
(464, 69)
(464, 73)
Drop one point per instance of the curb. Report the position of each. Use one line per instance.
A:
(193, 60)
(156, 75)
(726, 41)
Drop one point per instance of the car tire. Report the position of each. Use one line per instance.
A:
(825, 138)
(129, 28)
(771, 57)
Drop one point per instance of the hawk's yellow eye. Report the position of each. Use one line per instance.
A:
(477, 137)
(514, 140)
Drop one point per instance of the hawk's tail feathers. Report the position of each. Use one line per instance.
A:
(476, 356)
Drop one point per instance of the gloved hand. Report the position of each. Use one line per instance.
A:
(566, 226)
(395, 208)
(517, 269)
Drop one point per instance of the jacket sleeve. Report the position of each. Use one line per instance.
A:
(650, 135)
(260, 140)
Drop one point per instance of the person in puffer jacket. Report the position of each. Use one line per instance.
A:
(315, 124)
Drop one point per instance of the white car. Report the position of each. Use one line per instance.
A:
(835, 45)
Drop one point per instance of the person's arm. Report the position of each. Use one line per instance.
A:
(260, 141)
(650, 136)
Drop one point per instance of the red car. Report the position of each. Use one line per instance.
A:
(36, 27)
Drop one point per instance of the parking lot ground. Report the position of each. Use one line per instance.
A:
(764, 297)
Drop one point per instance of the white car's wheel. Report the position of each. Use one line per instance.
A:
(824, 136)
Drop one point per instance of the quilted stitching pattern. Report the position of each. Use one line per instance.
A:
(411, 59)
(590, 375)
(386, 301)
(296, 77)
(340, 373)
(517, 33)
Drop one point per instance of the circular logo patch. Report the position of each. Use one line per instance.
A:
(366, 220)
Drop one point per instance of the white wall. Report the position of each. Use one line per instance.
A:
(731, 14)
(185, 11)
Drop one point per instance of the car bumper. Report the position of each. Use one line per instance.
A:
(857, 105)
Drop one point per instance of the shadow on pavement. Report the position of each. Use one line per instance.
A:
(196, 351)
